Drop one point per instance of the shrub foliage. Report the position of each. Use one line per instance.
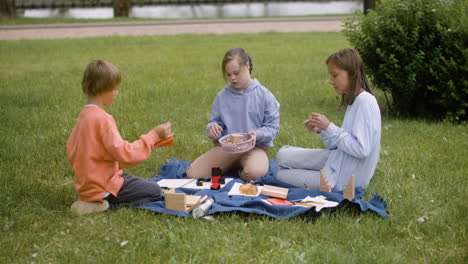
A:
(417, 51)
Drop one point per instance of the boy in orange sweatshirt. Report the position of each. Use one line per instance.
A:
(97, 153)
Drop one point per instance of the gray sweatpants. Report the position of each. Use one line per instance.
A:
(301, 167)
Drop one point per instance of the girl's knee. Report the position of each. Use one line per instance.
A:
(189, 172)
(251, 174)
(194, 173)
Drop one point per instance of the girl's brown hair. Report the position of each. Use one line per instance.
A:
(100, 76)
(349, 60)
(233, 53)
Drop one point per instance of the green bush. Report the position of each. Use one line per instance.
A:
(417, 51)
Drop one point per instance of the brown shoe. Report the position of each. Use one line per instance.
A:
(81, 207)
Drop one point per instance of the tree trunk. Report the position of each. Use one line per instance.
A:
(121, 7)
(369, 4)
(7, 8)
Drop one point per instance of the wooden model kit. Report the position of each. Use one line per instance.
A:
(182, 202)
(274, 191)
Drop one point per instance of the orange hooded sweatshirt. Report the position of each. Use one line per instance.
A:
(97, 153)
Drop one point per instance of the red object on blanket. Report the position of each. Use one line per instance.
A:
(165, 142)
(279, 201)
(215, 177)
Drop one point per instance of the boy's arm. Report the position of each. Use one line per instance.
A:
(126, 153)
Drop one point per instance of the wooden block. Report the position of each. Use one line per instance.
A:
(175, 201)
(324, 185)
(348, 191)
(182, 202)
(275, 191)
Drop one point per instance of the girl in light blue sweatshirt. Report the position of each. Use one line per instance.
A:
(243, 106)
(352, 148)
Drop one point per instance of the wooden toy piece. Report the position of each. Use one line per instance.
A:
(324, 185)
(175, 201)
(348, 191)
(275, 191)
(165, 142)
(199, 201)
(182, 202)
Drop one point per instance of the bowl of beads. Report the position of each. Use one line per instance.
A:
(237, 143)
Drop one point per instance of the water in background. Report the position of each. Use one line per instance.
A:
(209, 10)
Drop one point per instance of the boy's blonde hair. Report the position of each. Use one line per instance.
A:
(100, 76)
(349, 60)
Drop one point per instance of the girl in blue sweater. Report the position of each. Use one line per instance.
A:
(352, 148)
(243, 106)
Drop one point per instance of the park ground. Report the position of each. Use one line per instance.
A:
(174, 77)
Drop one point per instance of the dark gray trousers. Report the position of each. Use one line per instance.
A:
(135, 191)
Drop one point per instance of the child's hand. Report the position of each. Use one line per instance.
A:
(320, 121)
(311, 128)
(164, 130)
(253, 133)
(215, 130)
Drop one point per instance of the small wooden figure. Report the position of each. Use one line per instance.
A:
(182, 202)
(324, 185)
(348, 191)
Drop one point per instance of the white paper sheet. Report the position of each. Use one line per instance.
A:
(235, 190)
(321, 202)
(187, 183)
(175, 183)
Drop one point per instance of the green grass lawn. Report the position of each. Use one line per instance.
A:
(422, 171)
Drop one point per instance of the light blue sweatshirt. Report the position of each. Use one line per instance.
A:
(256, 108)
(356, 145)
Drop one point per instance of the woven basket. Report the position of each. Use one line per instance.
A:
(246, 143)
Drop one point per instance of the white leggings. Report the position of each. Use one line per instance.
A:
(301, 167)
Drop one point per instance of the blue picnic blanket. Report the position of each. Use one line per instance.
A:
(175, 169)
